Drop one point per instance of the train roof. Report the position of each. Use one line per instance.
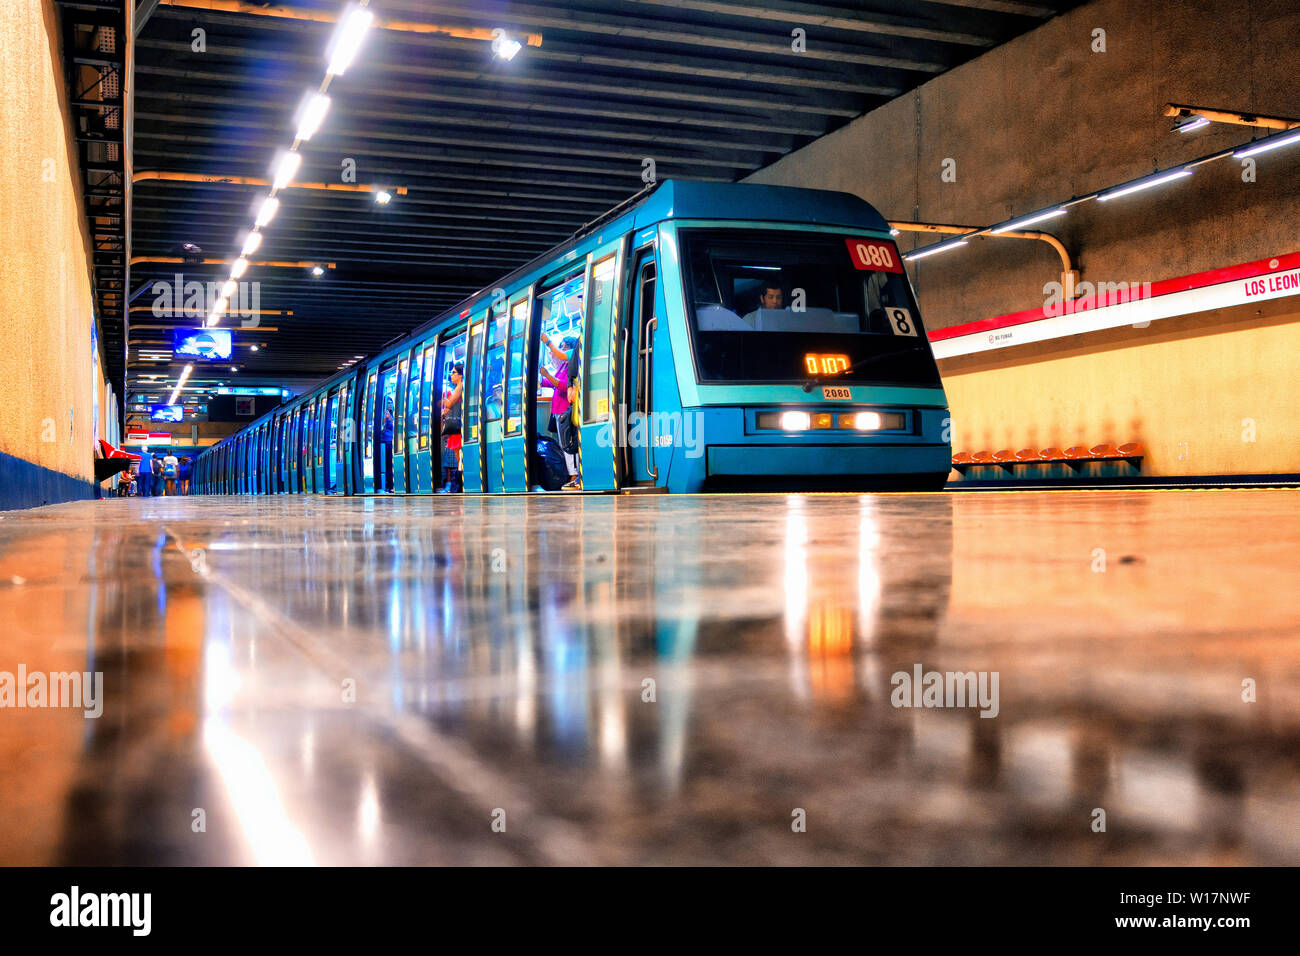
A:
(685, 199)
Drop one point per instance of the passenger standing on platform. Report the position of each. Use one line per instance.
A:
(187, 464)
(171, 468)
(386, 443)
(144, 476)
(451, 431)
(158, 490)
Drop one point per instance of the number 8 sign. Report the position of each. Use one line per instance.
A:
(874, 256)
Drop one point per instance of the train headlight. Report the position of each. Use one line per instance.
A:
(795, 421)
(867, 421)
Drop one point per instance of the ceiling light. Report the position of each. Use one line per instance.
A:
(934, 250)
(317, 271)
(239, 268)
(180, 382)
(229, 288)
(383, 197)
(251, 242)
(347, 39)
(252, 348)
(893, 231)
(1272, 142)
(506, 47)
(1142, 184)
(286, 167)
(1027, 221)
(1199, 122)
(217, 311)
(270, 206)
(311, 114)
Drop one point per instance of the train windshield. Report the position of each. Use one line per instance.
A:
(783, 306)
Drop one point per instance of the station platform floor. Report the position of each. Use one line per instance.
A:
(656, 680)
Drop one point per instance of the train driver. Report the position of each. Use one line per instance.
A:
(773, 296)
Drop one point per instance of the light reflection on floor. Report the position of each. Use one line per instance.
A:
(655, 679)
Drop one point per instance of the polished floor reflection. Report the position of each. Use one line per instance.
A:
(661, 680)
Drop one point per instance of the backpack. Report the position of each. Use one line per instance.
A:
(552, 474)
(568, 433)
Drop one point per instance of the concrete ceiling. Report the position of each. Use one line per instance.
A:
(499, 159)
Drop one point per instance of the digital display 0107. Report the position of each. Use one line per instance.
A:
(818, 363)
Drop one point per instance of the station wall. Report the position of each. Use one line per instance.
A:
(48, 379)
(1048, 117)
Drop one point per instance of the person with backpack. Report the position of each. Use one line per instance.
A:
(171, 469)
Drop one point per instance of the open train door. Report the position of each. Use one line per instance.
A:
(597, 399)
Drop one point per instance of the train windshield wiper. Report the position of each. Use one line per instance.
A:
(816, 380)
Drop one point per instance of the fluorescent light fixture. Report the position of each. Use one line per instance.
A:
(934, 250)
(347, 39)
(286, 167)
(1027, 221)
(180, 382)
(239, 268)
(795, 421)
(270, 206)
(311, 114)
(1199, 122)
(251, 243)
(229, 289)
(1141, 184)
(218, 311)
(383, 197)
(1271, 142)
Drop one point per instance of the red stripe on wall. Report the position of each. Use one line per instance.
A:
(1199, 280)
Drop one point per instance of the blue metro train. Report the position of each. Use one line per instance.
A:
(720, 336)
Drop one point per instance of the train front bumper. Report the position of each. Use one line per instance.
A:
(878, 459)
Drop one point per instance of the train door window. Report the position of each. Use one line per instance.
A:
(426, 395)
(399, 407)
(368, 427)
(322, 431)
(279, 452)
(560, 319)
(515, 368)
(645, 315)
(304, 445)
(344, 421)
(494, 370)
(595, 393)
(472, 366)
(412, 404)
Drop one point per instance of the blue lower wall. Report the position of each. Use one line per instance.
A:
(25, 485)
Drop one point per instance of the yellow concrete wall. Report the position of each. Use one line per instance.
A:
(45, 292)
(1189, 388)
